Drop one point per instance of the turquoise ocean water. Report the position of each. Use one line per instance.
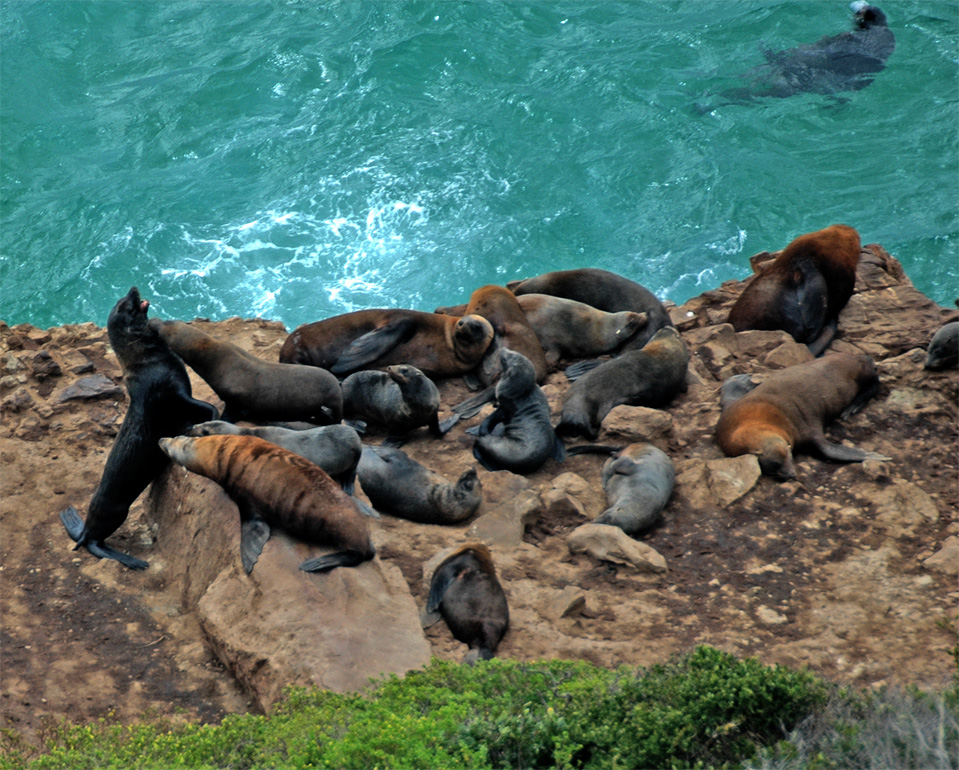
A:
(294, 160)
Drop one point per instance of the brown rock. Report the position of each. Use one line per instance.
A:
(606, 543)
(632, 424)
(87, 388)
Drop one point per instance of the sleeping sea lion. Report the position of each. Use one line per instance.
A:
(943, 351)
(638, 483)
(161, 404)
(400, 399)
(273, 487)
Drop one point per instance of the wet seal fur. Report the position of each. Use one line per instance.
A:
(651, 377)
(638, 484)
(466, 592)
(398, 485)
(273, 487)
(803, 290)
(437, 345)
(253, 388)
(400, 399)
(789, 409)
(943, 351)
(161, 404)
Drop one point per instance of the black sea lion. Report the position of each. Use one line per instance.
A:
(803, 289)
(638, 483)
(161, 404)
(789, 409)
(440, 346)
(465, 590)
(253, 388)
(273, 487)
(651, 377)
(400, 399)
(398, 485)
(517, 436)
(943, 352)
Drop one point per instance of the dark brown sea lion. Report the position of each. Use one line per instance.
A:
(943, 351)
(161, 404)
(789, 409)
(273, 487)
(638, 483)
(253, 388)
(398, 485)
(651, 377)
(400, 399)
(465, 591)
(803, 290)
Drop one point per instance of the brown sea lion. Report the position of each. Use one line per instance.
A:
(250, 387)
(161, 404)
(789, 409)
(398, 485)
(638, 482)
(439, 346)
(400, 399)
(465, 591)
(803, 290)
(273, 487)
(943, 351)
(651, 377)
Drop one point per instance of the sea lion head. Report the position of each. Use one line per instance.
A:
(633, 323)
(866, 15)
(472, 334)
(179, 449)
(517, 376)
(129, 313)
(468, 491)
(775, 458)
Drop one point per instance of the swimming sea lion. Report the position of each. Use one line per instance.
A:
(440, 346)
(161, 404)
(272, 487)
(465, 590)
(400, 399)
(251, 387)
(518, 436)
(398, 485)
(789, 409)
(943, 352)
(651, 377)
(803, 289)
(638, 483)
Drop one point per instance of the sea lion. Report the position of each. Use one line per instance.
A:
(161, 404)
(273, 487)
(465, 591)
(439, 346)
(398, 485)
(253, 388)
(943, 352)
(652, 377)
(803, 289)
(400, 399)
(638, 483)
(517, 436)
(789, 409)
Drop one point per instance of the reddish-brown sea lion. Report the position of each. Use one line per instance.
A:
(439, 346)
(161, 404)
(789, 409)
(803, 289)
(273, 487)
(253, 388)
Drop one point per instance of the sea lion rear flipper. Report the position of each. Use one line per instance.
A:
(472, 381)
(370, 346)
(595, 449)
(442, 579)
(471, 406)
(332, 560)
(72, 523)
(478, 454)
(575, 371)
(253, 536)
(394, 441)
(358, 425)
(734, 388)
(845, 454)
(103, 551)
(365, 509)
(446, 425)
(200, 411)
(559, 449)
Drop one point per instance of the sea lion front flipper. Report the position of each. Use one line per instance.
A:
(103, 551)
(840, 453)
(471, 406)
(358, 425)
(72, 522)
(559, 449)
(575, 371)
(253, 536)
(200, 411)
(332, 560)
(472, 381)
(370, 346)
(446, 425)
(478, 454)
(394, 441)
(734, 388)
(365, 509)
(818, 345)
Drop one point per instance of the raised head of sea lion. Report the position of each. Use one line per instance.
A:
(161, 404)
(638, 482)
(400, 399)
(943, 351)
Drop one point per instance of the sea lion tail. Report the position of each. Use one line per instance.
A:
(333, 560)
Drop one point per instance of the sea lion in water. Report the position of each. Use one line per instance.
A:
(652, 377)
(517, 436)
(400, 399)
(789, 409)
(161, 404)
(943, 351)
(273, 487)
(465, 591)
(803, 290)
(638, 483)
(439, 346)
(253, 388)
(398, 485)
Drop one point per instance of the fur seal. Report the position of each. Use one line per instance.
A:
(161, 404)
(517, 436)
(638, 483)
(439, 346)
(652, 376)
(398, 485)
(465, 591)
(789, 409)
(253, 388)
(400, 399)
(803, 289)
(272, 487)
(943, 352)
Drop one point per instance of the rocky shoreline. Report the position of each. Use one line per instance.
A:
(851, 570)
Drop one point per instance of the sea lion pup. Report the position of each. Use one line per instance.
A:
(400, 399)
(517, 436)
(803, 289)
(465, 591)
(439, 346)
(638, 483)
(253, 388)
(272, 487)
(652, 377)
(398, 485)
(788, 410)
(943, 352)
(161, 404)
